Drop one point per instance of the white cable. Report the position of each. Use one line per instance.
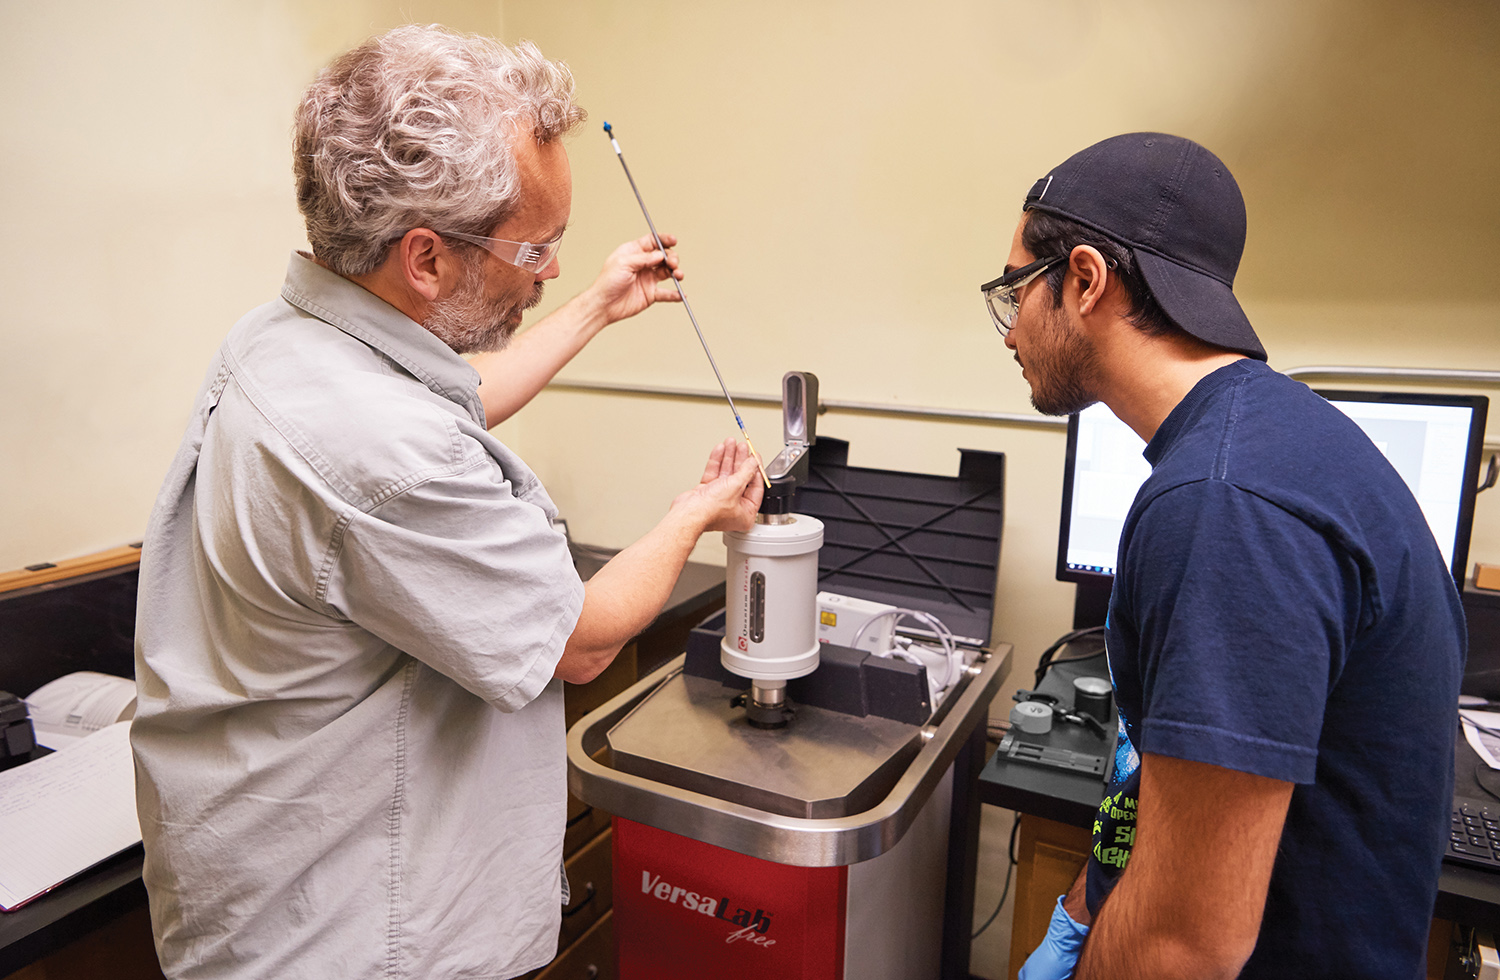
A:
(944, 635)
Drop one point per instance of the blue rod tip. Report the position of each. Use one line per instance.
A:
(607, 127)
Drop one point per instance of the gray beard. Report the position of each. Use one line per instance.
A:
(470, 323)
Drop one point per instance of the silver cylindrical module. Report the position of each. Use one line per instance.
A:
(771, 599)
(1092, 696)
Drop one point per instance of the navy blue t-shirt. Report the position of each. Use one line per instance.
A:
(1281, 608)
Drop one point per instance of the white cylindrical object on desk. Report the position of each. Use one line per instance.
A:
(1032, 717)
(771, 607)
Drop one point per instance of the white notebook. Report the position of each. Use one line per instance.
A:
(64, 813)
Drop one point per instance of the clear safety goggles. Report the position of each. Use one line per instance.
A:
(522, 255)
(1000, 295)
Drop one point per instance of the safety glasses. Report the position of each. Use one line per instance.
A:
(1000, 295)
(522, 255)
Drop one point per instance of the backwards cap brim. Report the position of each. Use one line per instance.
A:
(1200, 304)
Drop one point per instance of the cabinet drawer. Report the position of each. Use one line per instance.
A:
(592, 884)
(584, 822)
(591, 958)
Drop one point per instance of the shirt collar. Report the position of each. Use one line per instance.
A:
(371, 320)
(1177, 419)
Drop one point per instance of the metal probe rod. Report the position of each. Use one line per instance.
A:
(609, 131)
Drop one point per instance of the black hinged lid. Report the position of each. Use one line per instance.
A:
(910, 539)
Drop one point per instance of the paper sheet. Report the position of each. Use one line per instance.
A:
(64, 813)
(1484, 744)
(79, 704)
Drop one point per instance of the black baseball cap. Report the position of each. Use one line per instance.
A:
(1178, 209)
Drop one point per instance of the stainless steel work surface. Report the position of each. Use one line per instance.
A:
(773, 836)
(685, 733)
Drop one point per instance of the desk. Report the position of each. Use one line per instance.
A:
(1058, 807)
(1056, 848)
(1064, 797)
(94, 627)
(1470, 896)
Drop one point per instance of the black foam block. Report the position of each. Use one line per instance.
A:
(897, 690)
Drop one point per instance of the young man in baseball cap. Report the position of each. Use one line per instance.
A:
(1279, 600)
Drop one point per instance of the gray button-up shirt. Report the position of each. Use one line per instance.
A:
(349, 747)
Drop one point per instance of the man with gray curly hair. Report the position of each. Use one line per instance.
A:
(356, 614)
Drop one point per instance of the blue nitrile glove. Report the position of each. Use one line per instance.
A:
(1055, 958)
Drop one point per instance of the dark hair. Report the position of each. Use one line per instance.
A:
(1046, 234)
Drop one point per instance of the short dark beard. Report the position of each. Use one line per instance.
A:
(470, 323)
(1063, 367)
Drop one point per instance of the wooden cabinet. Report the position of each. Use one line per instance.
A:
(592, 957)
(1049, 856)
(119, 950)
(586, 940)
(80, 615)
(591, 876)
(56, 618)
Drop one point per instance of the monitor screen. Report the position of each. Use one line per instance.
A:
(1434, 441)
(1104, 470)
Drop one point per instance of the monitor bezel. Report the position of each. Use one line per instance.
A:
(1479, 406)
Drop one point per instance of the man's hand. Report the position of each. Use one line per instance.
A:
(635, 276)
(1056, 957)
(729, 492)
(627, 593)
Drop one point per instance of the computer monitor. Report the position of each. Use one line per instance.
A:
(1434, 441)
(1101, 474)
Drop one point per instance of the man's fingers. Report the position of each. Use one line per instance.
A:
(648, 244)
(715, 464)
(755, 490)
(638, 262)
(730, 460)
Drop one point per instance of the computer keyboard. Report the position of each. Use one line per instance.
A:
(1475, 835)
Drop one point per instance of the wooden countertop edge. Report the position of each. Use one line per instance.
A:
(101, 561)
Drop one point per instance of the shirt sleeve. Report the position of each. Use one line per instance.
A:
(459, 572)
(1243, 614)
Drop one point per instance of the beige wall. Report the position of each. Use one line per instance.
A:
(146, 200)
(843, 175)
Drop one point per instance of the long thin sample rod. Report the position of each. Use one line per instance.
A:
(609, 131)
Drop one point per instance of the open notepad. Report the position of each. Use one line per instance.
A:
(64, 813)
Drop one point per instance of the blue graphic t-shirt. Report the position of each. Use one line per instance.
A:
(1279, 601)
(1114, 825)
